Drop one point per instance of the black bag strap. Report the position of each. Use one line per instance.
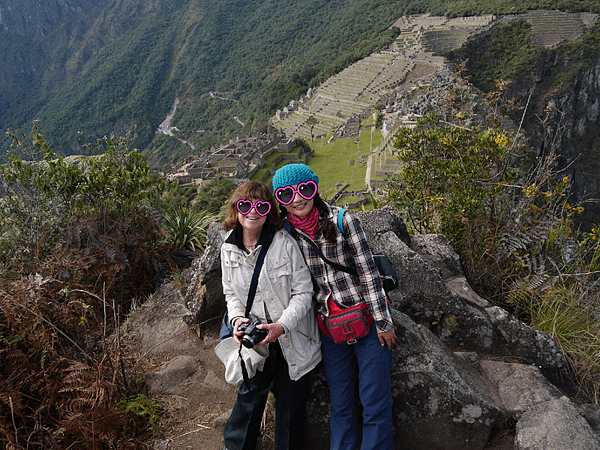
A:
(389, 279)
(316, 248)
(335, 265)
(265, 240)
(259, 263)
(226, 328)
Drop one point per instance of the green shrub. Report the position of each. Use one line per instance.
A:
(142, 407)
(212, 197)
(46, 196)
(79, 243)
(454, 181)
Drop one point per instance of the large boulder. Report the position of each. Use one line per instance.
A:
(555, 424)
(434, 292)
(462, 368)
(204, 296)
(434, 389)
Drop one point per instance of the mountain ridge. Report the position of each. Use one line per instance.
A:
(115, 67)
(134, 58)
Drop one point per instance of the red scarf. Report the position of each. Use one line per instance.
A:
(310, 224)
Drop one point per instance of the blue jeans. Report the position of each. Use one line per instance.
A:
(243, 426)
(366, 365)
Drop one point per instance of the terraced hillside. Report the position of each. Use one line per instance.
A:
(351, 92)
(412, 78)
(551, 28)
(346, 94)
(422, 40)
(440, 34)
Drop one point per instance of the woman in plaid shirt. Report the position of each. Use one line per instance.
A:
(367, 362)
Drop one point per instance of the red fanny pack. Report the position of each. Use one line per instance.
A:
(345, 324)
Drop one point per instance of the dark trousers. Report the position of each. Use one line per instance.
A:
(243, 427)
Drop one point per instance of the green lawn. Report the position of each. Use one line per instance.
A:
(332, 162)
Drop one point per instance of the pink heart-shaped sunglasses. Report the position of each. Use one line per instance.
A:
(306, 190)
(261, 208)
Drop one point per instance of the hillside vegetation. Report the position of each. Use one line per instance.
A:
(543, 79)
(84, 241)
(255, 55)
(90, 74)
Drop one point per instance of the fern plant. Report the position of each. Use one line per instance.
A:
(541, 248)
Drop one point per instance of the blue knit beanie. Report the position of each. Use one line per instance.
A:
(293, 174)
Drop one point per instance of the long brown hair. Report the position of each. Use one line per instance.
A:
(247, 191)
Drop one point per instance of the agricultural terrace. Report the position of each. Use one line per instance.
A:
(339, 162)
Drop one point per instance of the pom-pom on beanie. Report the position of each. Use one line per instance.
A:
(293, 174)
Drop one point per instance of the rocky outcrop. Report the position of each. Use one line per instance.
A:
(572, 127)
(463, 370)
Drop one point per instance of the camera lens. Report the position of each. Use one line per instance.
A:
(247, 341)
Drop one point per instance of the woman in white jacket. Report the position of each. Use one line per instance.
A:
(283, 306)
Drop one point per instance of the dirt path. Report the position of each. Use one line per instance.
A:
(183, 374)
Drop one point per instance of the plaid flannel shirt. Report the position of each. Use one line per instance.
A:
(351, 251)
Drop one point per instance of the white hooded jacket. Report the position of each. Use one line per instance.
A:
(284, 291)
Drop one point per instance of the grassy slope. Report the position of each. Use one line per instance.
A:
(331, 161)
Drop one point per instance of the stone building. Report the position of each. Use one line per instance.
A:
(236, 159)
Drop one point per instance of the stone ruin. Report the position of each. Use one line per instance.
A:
(238, 159)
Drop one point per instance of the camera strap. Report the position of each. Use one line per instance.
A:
(265, 239)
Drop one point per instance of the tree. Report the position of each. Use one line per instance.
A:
(451, 178)
(459, 175)
(311, 122)
(379, 115)
(212, 197)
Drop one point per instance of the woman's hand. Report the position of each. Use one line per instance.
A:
(275, 330)
(237, 334)
(387, 338)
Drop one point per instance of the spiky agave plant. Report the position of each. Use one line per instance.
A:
(187, 229)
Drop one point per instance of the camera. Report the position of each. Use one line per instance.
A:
(252, 335)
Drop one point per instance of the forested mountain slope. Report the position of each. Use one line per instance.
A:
(119, 65)
(557, 89)
(88, 69)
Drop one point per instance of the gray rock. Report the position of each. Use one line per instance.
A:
(215, 382)
(436, 250)
(162, 444)
(204, 297)
(220, 421)
(378, 221)
(519, 386)
(170, 376)
(452, 388)
(157, 334)
(554, 424)
(591, 413)
(440, 401)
